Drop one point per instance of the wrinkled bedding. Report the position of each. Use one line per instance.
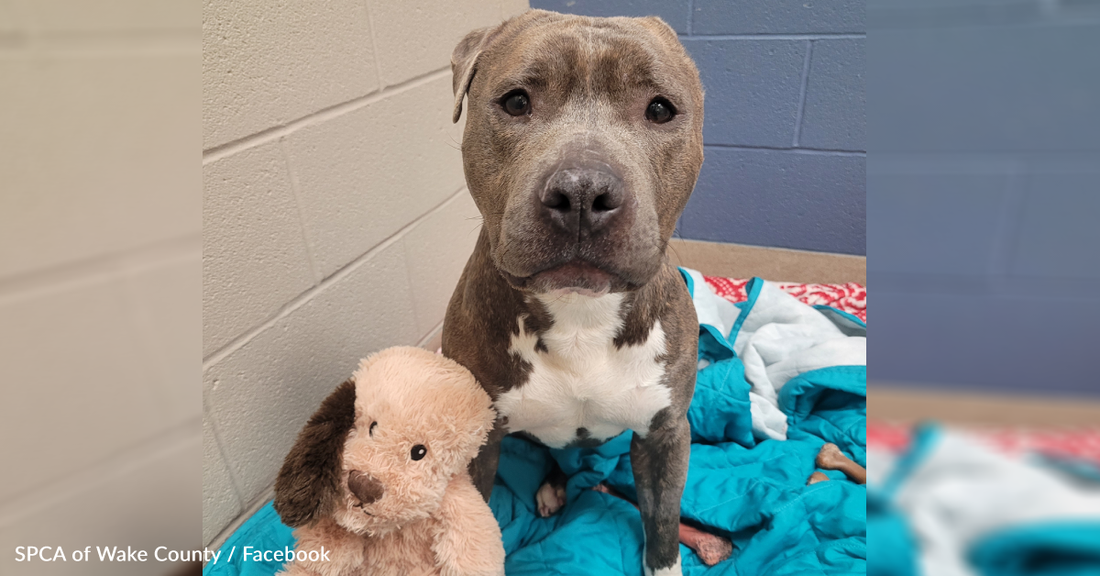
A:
(777, 379)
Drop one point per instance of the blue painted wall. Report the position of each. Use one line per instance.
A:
(983, 194)
(784, 127)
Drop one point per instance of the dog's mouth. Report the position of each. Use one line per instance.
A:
(573, 277)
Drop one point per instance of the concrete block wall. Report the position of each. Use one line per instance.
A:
(983, 196)
(100, 250)
(784, 128)
(336, 221)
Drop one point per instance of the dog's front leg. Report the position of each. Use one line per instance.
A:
(660, 462)
(483, 468)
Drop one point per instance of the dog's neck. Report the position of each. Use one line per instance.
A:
(580, 325)
(576, 311)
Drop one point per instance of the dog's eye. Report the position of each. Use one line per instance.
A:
(516, 103)
(371, 429)
(659, 111)
(418, 452)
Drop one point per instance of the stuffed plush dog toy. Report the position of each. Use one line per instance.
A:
(378, 475)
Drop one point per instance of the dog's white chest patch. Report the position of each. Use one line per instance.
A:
(581, 383)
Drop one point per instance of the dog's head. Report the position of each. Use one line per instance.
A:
(583, 141)
(382, 448)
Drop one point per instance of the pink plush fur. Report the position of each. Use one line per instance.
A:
(418, 516)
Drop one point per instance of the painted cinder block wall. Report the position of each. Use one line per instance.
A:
(100, 251)
(984, 195)
(335, 216)
(784, 129)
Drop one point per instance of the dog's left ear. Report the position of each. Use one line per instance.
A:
(660, 28)
(309, 481)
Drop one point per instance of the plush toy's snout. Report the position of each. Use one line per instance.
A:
(366, 488)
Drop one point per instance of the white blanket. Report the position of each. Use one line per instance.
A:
(778, 339)
(955, 492)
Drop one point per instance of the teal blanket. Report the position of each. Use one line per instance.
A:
(742, 484)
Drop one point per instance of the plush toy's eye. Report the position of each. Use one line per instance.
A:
(371, 429)
(418, 452)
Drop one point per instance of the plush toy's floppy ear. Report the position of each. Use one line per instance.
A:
(309, 480)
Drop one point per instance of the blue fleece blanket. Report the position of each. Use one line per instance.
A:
(743, 482)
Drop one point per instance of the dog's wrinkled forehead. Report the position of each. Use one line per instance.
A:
(586, 62)
(611, 59)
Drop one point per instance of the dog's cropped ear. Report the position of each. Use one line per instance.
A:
(660, 28)
(464, 59)
(309, 481)
(464, 63)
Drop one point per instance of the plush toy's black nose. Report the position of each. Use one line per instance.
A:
(366, 488)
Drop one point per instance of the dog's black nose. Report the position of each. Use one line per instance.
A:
(366, 488)
(582, 197)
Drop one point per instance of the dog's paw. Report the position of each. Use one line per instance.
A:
(830, 457)
(550, 498)
(710, 548)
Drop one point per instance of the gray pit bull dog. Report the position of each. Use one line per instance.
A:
(582, 144)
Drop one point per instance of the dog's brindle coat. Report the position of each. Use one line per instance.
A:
(568, 312)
